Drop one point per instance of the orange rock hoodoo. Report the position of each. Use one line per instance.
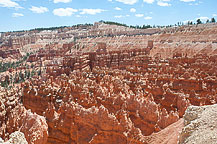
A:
(110, 105)
(15, 117)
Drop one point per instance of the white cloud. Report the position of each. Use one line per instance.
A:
(214, 15)
(64, 11)
(119, 16)
(132, 10)
(149, 1)
(9, 4)
(17, 15)
(147, 18)
(139, 15)
(203, 18)
(117, 8)
(39, 9)
(187, 0)
(129, 2)
(162, 3)
(91, 11)
(110, 0)
(62, 1)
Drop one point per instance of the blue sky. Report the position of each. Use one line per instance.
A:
(29, 14)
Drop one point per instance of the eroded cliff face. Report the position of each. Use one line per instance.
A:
(124, 93)
(86, 111)
(108, 105)
(15, 117)
(168, 43)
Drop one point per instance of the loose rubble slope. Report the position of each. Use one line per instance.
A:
(200, 125)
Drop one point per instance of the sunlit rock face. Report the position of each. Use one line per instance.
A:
(108, 105)
(16, 137)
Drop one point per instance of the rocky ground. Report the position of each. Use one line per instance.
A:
(15, 138)
(200, 125)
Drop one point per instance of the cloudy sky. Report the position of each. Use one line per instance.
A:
(28, 14)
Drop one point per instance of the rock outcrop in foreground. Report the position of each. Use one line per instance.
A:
(15, 138)
(200, 125)
(15, 117)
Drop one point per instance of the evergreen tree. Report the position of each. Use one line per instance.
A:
(2, 83)
(39, 72)
(21, 77)
(32, 73)
(213, 20)
(199, 21)
(178, 23)
(16, 78)
(28, 74)
(11, 79)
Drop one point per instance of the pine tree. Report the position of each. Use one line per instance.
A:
(39, 72)
(199, 21)
(32, 73)
(28, 74)
(213, 20)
